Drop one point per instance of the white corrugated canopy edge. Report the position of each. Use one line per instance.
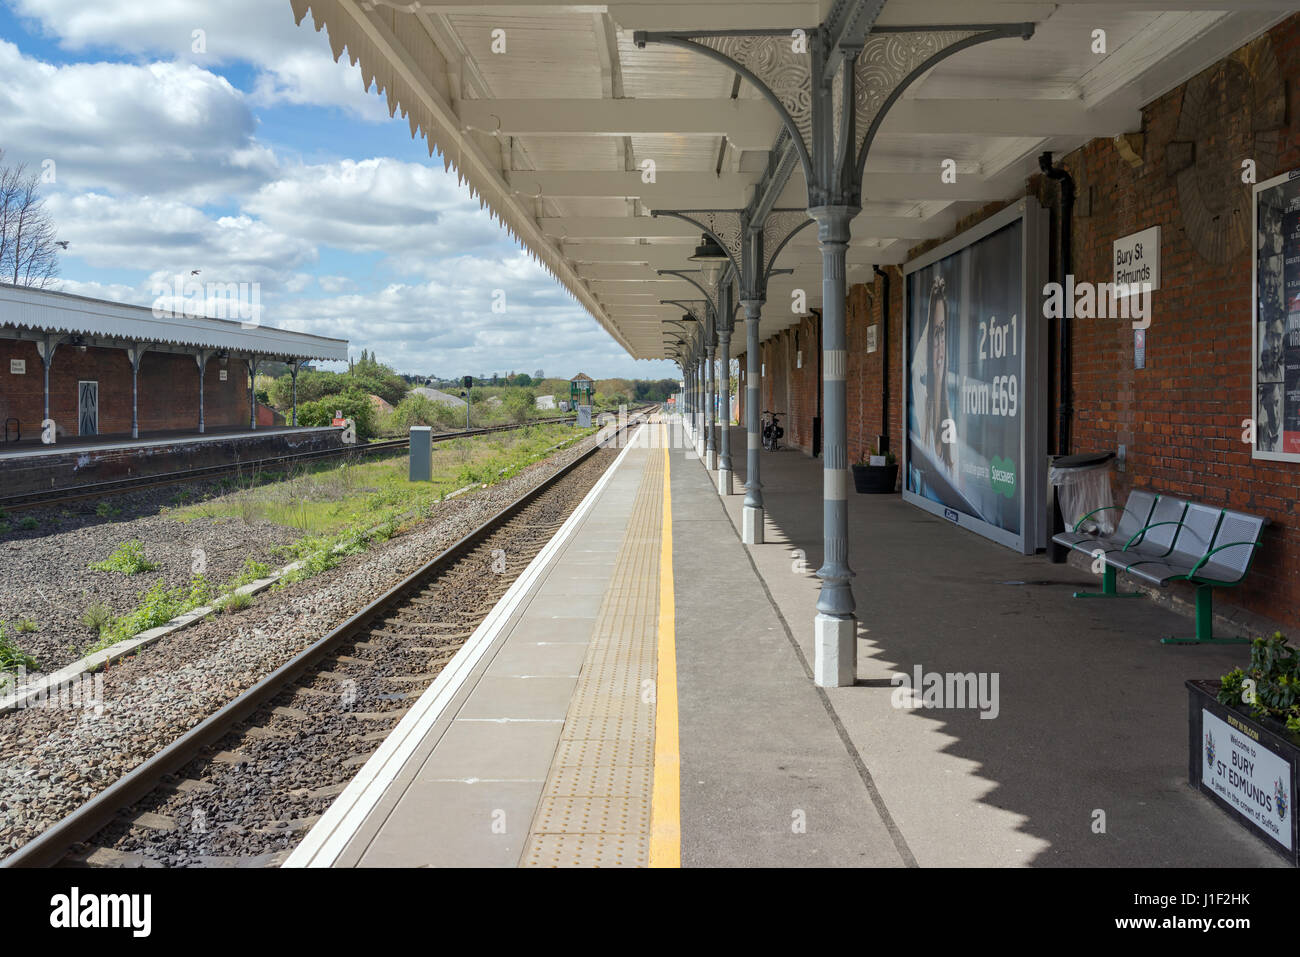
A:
(48, 311)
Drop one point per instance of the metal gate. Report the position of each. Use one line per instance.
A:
(87, 408)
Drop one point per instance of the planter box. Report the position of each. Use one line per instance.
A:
(875, 479)
(1246, 767)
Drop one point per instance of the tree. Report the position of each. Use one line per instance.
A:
(539, 374)
(28, 254)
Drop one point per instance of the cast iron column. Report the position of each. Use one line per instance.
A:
(752, 525)
(252, 392)
(835, 656)
(702, 394)
(202, 360)
(724, 454)
(710, 405)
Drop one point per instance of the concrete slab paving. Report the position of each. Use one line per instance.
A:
(467, 794)
(765, 778)
(1091, 722)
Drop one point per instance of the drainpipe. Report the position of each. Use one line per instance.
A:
(1065, 403)
(884, 361)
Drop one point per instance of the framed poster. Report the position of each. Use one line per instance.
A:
(975, 376)
(1275, 323)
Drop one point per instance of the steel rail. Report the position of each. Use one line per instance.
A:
(54, 844)
(73, 493)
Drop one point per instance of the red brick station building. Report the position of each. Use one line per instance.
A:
(1184, 403)
(103, 370)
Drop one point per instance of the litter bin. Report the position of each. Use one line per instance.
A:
(1081, 484)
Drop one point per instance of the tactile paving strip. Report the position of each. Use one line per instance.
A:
(595, 810)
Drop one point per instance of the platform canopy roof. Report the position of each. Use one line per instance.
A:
(552, 131)
(30, 313)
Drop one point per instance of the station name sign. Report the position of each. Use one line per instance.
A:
(1136, 260)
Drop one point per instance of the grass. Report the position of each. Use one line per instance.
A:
(251, 572)
(12, 657)
(158, 606)
(26, 626)
(233, 602)
(128, 558)
(104, 510)
(329, 499)
(342, 508)
(96, 617)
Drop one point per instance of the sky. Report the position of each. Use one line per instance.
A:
(178, 135)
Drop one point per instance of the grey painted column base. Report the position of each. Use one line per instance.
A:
(726, 485)
(835, 652)
(751, 525)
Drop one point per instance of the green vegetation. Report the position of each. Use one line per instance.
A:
(320, 553)
(251, 572)
(418, 409)
(233, 602)
(29, 523)
(26, 626)
(329, 499)
(367, 376)
(104, 510)
(158, 606)
(354, 405)
(129, 559)
(12, 657)
(96, 617)
(1274, 682)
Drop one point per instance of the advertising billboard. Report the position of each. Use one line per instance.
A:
(975, 377)
(1276, 320)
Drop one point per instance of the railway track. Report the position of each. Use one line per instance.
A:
(135, 483)
(243, 786)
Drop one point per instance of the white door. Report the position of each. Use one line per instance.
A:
(87, 408)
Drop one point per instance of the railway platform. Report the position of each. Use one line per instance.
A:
(642, 696)
(31, 467)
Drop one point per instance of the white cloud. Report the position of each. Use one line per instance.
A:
(159, 172)
(336, 284)
(160, 128)
(168, 237)
(410, 211)
(296, 63)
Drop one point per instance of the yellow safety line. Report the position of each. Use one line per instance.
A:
(665, 800)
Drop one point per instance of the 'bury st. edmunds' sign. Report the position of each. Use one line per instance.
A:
(1136, 260)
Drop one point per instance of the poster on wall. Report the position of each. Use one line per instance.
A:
(975, 390)
(1276, 320)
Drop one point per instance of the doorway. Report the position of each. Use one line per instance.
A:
(87, 408)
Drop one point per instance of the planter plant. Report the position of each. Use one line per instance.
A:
(1245, 742)
(876, 475)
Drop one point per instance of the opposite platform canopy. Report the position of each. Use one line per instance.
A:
(28, 313)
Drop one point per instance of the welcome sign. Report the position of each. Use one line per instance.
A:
(1248, 777)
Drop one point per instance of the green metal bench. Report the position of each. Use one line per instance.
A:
(1177, 541)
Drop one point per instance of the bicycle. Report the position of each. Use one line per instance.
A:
(772, 431)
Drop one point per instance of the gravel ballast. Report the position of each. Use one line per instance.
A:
(54, 759)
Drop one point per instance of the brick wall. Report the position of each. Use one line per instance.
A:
(1180, 417)
(168, 390)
